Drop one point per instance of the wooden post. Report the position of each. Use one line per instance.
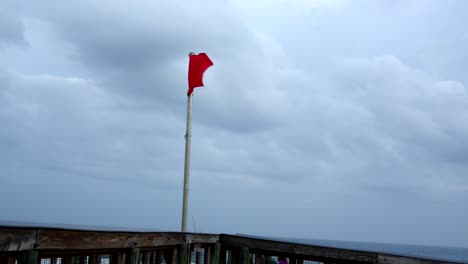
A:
(93, 259)
(74, 259)
(292, 260)
(243, 255)
(182, 257)
(66, 259)
(207, 255)
(258, 258)
(7, 260)
(223, 255)
(170, 255)
(174, 256)
(167, 254)
(215, 251)
(158, 255)
(197, 250)
(114, 258)
(147, 258)
(132, 256)
(229, 257)
(30, 257)
(234, 256)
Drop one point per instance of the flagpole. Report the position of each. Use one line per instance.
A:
(188, 139)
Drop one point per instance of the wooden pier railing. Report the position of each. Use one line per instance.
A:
(24, 245)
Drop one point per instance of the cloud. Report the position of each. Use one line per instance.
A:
(11, 26)
(4, 83)
(418, 110)
(335, 112)
(64, 124)
(144, 56)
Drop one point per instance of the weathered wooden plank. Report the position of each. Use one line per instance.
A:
(299, 249)
(15, 239)
(66, 239)
(202, 238)
(70, 239)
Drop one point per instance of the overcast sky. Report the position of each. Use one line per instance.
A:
(320, 119)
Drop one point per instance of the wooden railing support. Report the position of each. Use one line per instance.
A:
(7, 260)
(258, 258)
(223, 254)
(215, 253)
(292, 260)
(133, 256)
(234, 256)
(30, 257)
(182, 254)
(207, 255)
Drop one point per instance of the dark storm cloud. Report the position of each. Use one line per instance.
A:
(142, 51)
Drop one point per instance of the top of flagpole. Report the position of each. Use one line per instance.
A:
(190, 54)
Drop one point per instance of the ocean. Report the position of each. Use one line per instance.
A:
(431, 252)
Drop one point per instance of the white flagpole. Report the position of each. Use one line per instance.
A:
(188, 137)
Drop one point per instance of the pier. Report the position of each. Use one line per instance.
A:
(45, 245)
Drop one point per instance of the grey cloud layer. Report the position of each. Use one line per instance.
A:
(307, 118)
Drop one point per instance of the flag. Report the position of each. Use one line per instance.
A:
(197, 66)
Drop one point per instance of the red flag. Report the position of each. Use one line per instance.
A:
(197, 66)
